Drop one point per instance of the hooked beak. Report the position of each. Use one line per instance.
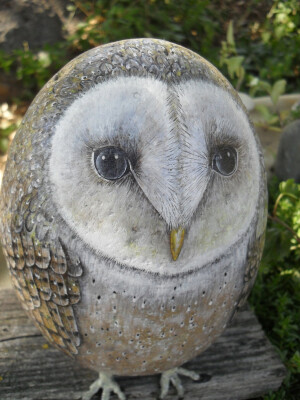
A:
(176, 242)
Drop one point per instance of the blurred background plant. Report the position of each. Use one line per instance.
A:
(265, 47)
(276, 294)
(256, 46)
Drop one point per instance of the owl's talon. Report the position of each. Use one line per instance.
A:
(107, 384)
(172, 376)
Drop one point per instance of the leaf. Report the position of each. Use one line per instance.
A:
(279, 31)
(295, 362)
(4, 133)
(234, 65)
(253, 81)
(270, 118)
(229, 36)
(266, 36)
(264, 86)
(290, 187)
(277, 90)
(264, 111)
(257, 85)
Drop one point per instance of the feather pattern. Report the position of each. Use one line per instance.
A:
(42, 270)
(47, 295)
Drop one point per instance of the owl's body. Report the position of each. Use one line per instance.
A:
(89, 254)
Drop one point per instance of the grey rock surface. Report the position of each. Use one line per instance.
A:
(36, 22)
(288, 158)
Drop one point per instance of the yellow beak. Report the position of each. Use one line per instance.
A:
(176, 242)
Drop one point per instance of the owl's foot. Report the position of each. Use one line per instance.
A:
(108, 386)
(171, 376)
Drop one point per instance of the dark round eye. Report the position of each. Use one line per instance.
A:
(224, 160)
(111, 162)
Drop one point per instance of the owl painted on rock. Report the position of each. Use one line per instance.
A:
(133, 210)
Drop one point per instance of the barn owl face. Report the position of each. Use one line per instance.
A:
(135, 158)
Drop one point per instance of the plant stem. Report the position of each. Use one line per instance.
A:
(279, 221)
(278, 200)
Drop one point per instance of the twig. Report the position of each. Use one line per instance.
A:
(279, 198)
(279, 221)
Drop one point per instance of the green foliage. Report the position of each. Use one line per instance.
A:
(271, 46)
(276, 294)
(229, 57)
(274, 91)
(272, 117)
(193, 23)
(281, 39)
(4, 135)
(265, 48)
(237, 73)
(34, 69)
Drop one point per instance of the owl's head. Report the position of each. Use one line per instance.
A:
(155, 164)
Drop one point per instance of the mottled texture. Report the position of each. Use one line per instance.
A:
(111, 316)
(49, 375)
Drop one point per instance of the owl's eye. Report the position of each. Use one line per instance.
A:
(224, 160)
(111, 162)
